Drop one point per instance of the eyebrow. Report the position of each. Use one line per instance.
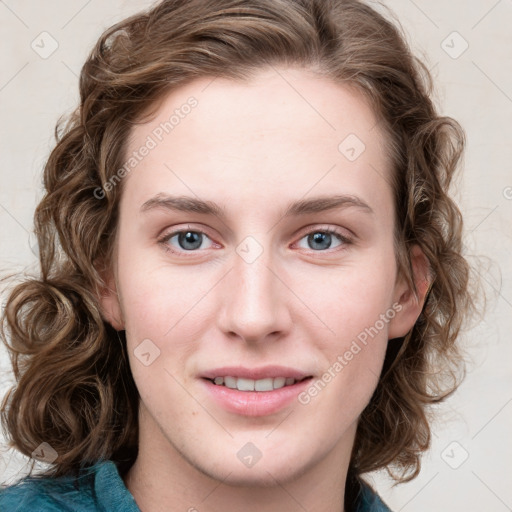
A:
(297, 208)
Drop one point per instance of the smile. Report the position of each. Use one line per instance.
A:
(244, 384)
(252, 391)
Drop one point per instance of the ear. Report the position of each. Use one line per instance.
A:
(411, 303)
(109, 301)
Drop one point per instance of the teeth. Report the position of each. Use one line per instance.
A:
(264, 384)
(242, 384)
(230, 382)
(279, 382)
(245, 384)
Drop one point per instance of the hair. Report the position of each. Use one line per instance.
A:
(74, 389)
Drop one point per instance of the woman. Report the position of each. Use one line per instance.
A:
(251, 273)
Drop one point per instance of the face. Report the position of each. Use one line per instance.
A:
(255, 274)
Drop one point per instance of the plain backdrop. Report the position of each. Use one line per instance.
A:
(468, 47)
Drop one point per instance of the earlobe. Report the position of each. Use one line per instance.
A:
(411, 303)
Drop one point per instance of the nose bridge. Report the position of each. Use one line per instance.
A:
(254, 305)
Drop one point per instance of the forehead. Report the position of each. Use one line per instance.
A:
(283, 132)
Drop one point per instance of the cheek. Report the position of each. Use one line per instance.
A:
(353, 356)
(160, 320)
(355, 303)
(157, 297)
(353, 299)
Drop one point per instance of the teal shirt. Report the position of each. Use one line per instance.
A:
(103, 490)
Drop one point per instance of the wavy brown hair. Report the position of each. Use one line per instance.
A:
(74, 387)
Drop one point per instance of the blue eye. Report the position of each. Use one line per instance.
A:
(187, 240)
(183, 241)
(322, 239)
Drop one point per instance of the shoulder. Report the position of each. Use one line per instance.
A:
(100, 488)
(370, 501)
(45, 494)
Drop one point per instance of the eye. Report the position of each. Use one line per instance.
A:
(193, 240)
(185, 240)
(323, 239)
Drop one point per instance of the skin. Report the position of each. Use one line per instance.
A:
(254, 147)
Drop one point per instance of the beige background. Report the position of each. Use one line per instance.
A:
(474, 86)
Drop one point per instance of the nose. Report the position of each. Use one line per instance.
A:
(254, 301)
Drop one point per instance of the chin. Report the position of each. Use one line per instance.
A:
(269, 471)
(265, 477)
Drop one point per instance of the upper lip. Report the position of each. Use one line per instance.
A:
(265, 372)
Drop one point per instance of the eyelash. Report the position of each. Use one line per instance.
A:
(345, 240)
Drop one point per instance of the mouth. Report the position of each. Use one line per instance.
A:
(255, 391)
(260, 385)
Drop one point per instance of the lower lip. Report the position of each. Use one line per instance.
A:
(255, 403)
